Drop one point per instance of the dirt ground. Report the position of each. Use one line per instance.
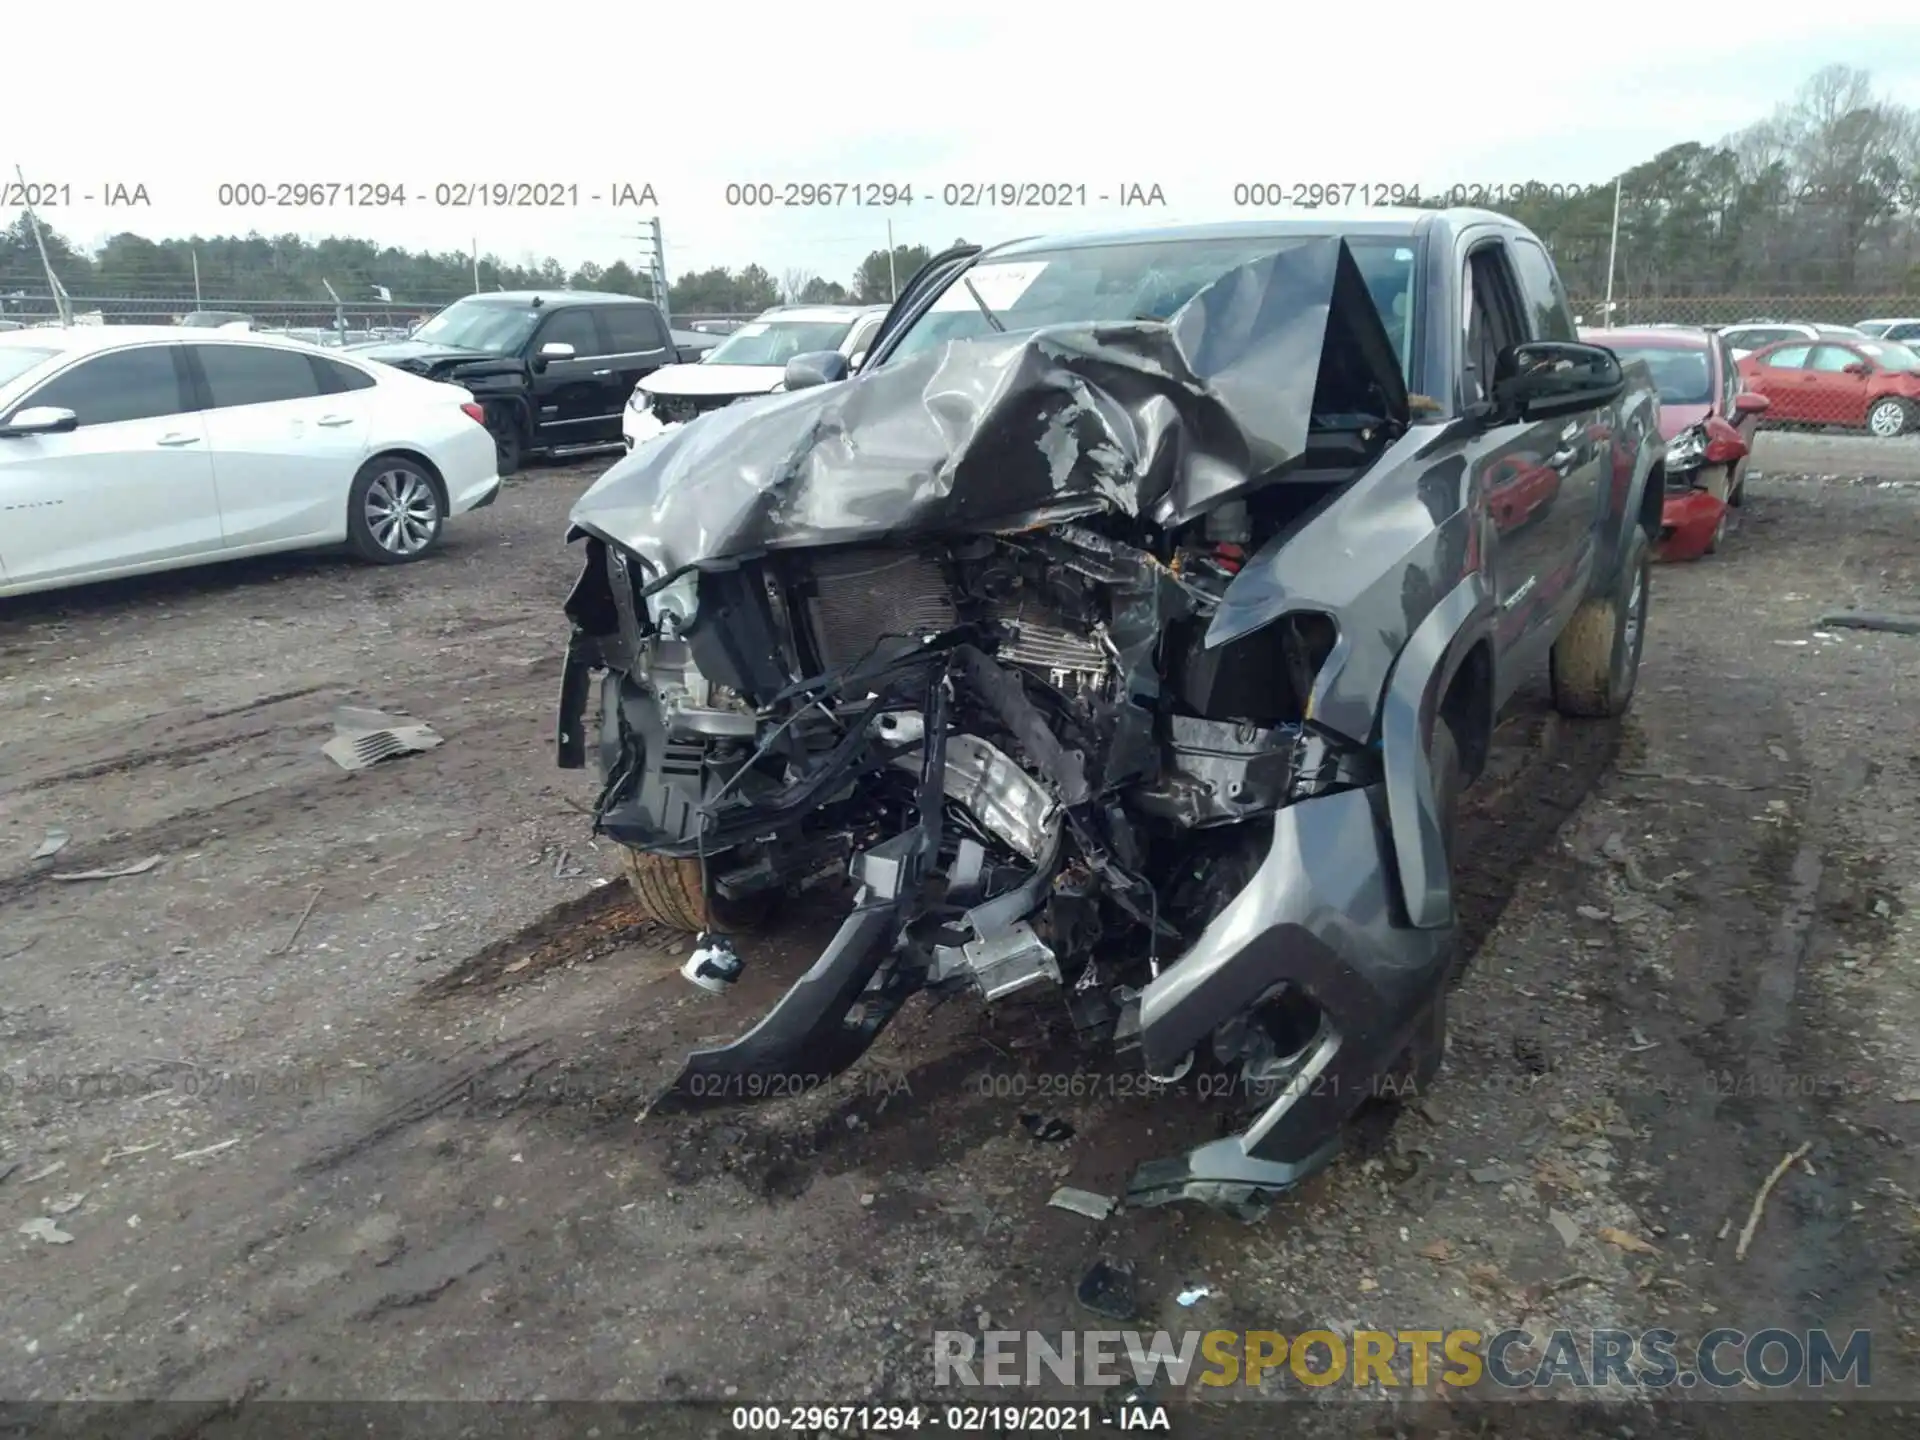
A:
(391, 1150)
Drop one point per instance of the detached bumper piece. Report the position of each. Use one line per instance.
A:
(1320, 919)
(832, 1013)
(1688, 519)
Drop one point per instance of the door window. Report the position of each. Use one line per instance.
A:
(1492, 319)
(337, 379)
(1546, 302)
(1832, 359)
(137, 384)
(573, 327)
(1793, 357)
(632, 329)
(255, 375)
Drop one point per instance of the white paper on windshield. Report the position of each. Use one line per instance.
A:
(999, 285)
(755, 327)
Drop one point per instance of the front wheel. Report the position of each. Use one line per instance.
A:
(509, 450)
(1596, 660)
(670, 893)
(394, 511)
(1889, 417)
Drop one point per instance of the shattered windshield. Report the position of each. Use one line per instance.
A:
(480, 325)
(1149, 280)
(774, 342)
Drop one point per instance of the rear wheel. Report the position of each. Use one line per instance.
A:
(394, 511)
(1596, 660)
(669, 893)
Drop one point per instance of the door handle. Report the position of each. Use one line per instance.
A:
(601, 374)
(331, 421)
(177, 439)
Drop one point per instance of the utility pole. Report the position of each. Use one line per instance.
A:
(1613, 245)
(476, 264)
(893, 279)
(656, 265)
(196, 278)
(60, 304)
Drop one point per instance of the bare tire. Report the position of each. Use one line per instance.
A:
(1889, 417)
(1596, 660)
(669, 893)
(394, 511)
(508, 449)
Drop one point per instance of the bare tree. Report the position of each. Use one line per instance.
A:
(793, 283)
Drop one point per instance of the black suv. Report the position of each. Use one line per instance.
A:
(553, 370)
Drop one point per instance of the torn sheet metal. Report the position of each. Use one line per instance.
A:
(1149, 418)
(366, 737)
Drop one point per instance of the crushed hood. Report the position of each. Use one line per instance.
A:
(711, 379)
(1157, 419)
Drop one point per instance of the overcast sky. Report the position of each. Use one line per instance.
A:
(1194, 97)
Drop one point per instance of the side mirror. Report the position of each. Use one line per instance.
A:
(1859, 367)
(1750, 402)
(1546, 378)
(818, 367)
(39, 420)
(854, 361)
(556, 350)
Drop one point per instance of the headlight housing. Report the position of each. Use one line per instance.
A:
(1686, 450)
(672, 608)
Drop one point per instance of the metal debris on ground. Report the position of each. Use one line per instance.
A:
(1565, 1226)
(1108, 1289)
(1873, 620)
(111, 872)
(1760, 1200)
(67, 1204)
(1046, 1128)
(41, 1228)
(55, 841)
(207, 1150)
(1082, 1202)
(366, 737)
(1189, 1298)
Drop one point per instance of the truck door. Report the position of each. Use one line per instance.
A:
(1582, 458)
(1514, 469)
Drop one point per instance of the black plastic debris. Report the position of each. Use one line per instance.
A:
(1108, 1290)
(1872, 620)
(1046, 1128)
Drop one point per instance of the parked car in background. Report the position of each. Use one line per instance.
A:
(1905, 329)
(1022, 624)
(217, 320)
(129, 449)
(1707, 418)
(1871, 385)
(750, 361)
(1751, 335)
(552, 370)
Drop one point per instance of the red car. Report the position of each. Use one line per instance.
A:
(1707, 418)
(1871, 385)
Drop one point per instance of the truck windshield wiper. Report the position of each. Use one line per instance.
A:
(992, 319)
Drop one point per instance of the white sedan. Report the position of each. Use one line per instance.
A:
(125, 450)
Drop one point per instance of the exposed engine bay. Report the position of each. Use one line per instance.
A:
(1075, 704)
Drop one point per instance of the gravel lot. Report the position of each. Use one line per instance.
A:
(391, 1151)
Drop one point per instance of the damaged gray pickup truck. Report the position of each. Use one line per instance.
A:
(1129, 625)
